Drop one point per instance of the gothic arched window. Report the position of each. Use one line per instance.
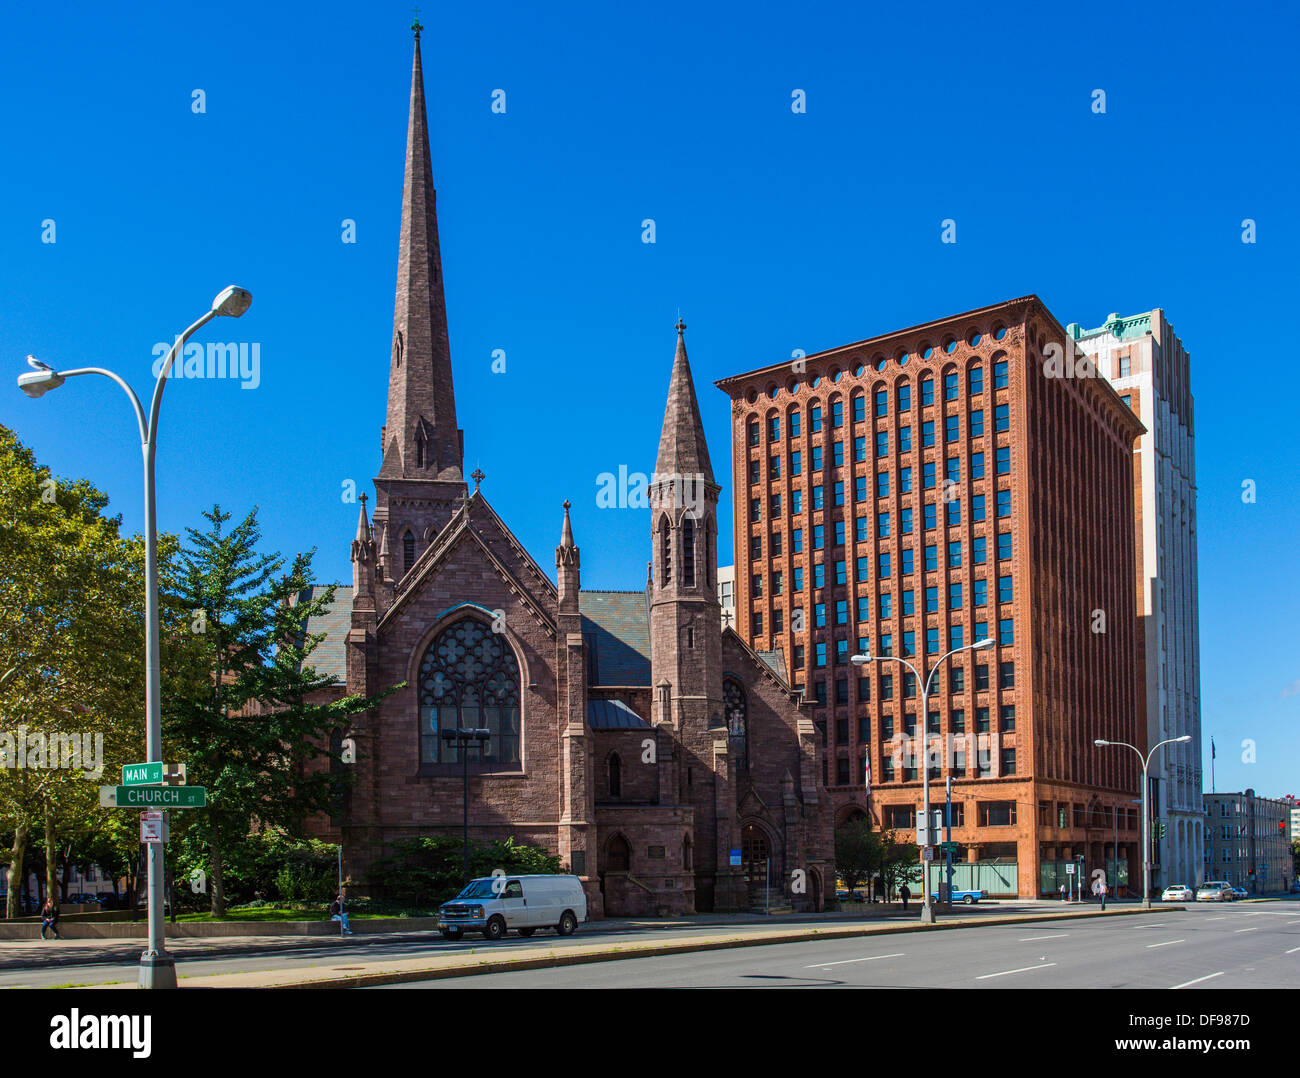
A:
(688, 551)
(736, 709)
(408, 552)
(469, 678)
(665, 551)
(615, 776)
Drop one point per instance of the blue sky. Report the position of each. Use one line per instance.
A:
(775, 231)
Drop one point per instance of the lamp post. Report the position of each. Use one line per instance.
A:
(1146, 817)
(157, 967)
(463, 737)
(927, 905)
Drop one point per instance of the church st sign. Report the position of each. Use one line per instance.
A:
(149, 797)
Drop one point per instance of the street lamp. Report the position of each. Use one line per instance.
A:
(157, 967)
(1146, 816)
(927, 906)
(463, 737)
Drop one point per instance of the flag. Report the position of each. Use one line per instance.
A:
(1211, 748)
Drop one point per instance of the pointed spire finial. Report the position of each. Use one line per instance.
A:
(478, 477)
(416, 24)
(681, 326)
(566, 536)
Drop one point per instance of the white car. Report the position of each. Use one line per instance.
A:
(495, 904)
(1178, 892)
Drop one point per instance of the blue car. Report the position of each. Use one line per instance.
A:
(969, 897)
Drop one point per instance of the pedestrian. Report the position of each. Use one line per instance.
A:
(50, 919)
(1101, 892)
(1062, 892)
(337, 913)
(904, 894)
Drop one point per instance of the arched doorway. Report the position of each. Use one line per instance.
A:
(756, 859)
(815, 889)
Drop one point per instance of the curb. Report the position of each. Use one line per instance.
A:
(655, 950)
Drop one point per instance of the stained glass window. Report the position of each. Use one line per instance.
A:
(469, 678)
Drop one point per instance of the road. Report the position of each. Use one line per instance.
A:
(35, 964)
(1247, 945)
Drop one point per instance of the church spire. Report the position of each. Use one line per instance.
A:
(682, 448)
(421, 440)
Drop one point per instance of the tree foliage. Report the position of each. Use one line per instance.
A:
(256, 722)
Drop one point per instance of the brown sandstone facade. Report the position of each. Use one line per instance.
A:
(629, 734)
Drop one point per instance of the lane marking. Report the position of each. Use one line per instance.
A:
(1245, 930)
(1207, 977)
(1293, 922)
(1055, 936)
(846, 961)
(1165, 944)
(1158, 924)
(1022, 969)
(1292, 951)
(1221, 917)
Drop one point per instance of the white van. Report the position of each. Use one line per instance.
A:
(495, 904)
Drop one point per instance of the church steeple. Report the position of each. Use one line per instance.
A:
(421, 482)
(421, 439)
(682, 448)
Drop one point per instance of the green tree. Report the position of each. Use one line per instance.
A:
(256, 720)
(858, 852)
(71, 649)
(899, 863)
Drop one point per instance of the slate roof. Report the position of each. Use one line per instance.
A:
(616, 629)
(776, 660)
(613, 715)
(330, 657)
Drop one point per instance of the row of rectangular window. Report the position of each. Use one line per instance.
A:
(956, 721)
(975, 387)
(862, 565)
(952, 433)
(1006, 680)
(952, 475)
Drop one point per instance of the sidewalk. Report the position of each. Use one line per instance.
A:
(362, 973)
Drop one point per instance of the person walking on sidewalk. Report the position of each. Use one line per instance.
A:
(904, 894)
(1101, 893)
(337, 913)
(50, 919)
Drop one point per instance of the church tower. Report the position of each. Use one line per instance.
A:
(685, 622)
(421, 479)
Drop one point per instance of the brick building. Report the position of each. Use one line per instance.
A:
(918, 492)
(630, 733)
(1248, 842)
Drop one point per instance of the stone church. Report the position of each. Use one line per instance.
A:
(668, 764)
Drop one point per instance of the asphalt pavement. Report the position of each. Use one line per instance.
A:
(1240, 945)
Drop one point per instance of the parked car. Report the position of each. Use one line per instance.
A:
(845, 895)
(1178, 892)
(969, 897)
(495, 904)
(1215, 891)
(1240, 892)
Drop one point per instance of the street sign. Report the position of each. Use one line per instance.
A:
(153, 774)
(927, 854)
(160, 797)
(924, 836)
(735, 858)
(1069, 869)
(151, 826)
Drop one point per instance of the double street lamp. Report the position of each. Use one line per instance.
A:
(157, 967)
(1146, 816)
(927, 905)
